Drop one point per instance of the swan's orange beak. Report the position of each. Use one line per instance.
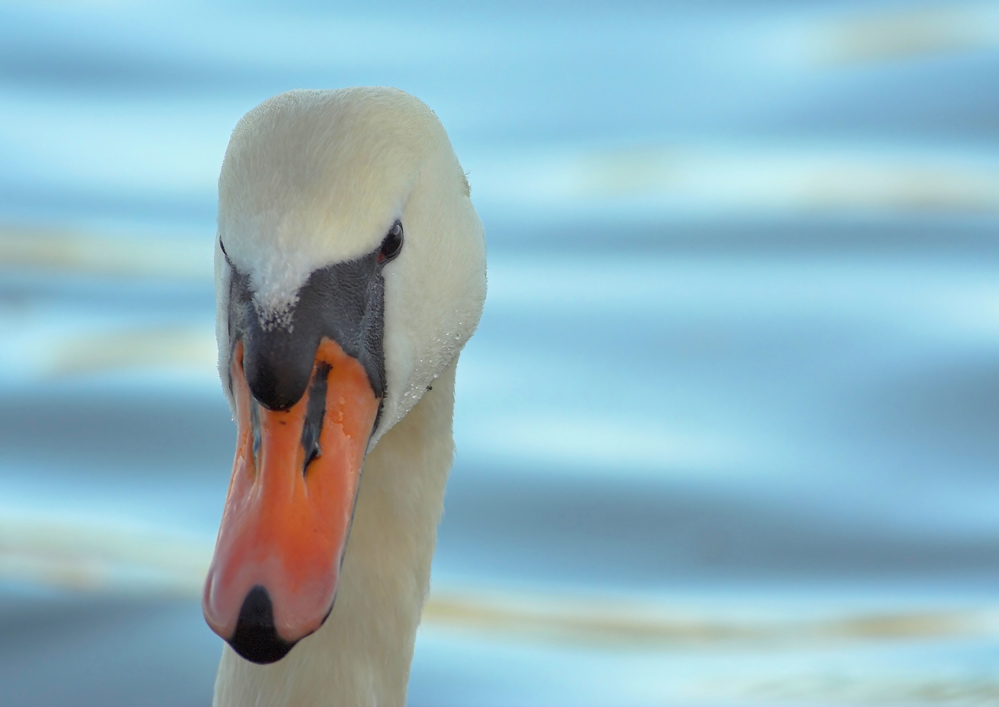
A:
(289, 508)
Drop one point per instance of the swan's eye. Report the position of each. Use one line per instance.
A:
(391, 245)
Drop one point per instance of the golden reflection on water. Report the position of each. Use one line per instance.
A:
(137, 256)
(907, 33)
(83, 555)
(184, 347)
(842, 688)
(86, 558)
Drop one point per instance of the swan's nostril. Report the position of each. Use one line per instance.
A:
(255, 637)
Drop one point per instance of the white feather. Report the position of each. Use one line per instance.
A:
(312, 178)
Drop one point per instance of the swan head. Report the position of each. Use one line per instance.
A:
(350, 271)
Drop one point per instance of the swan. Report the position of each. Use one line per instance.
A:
(350, 271)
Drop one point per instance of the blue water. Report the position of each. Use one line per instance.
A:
(726, 434)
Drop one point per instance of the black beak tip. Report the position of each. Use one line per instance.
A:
(255, 637)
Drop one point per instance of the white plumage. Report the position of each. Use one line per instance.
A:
(310, 179)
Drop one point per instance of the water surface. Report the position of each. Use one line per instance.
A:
(726, 432)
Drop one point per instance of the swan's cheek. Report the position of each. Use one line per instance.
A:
(287, 516)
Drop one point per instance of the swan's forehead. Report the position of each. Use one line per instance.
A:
(313, 178)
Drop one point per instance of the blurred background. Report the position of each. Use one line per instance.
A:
(727, 434)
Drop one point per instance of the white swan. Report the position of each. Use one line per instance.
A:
(350, 271)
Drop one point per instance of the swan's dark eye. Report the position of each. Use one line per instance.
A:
(392, 244)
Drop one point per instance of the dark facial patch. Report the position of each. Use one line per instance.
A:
(345, 302)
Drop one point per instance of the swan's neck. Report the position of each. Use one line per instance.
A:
(361, 655)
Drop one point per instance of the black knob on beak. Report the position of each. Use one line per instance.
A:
(255, 637)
